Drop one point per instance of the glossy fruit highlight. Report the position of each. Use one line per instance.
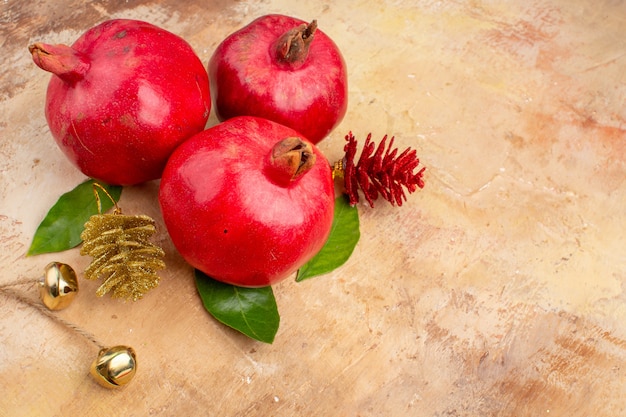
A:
(247, 201)
(283, 69)
(122, 98)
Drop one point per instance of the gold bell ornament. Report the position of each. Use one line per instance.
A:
(58, 286)
(114, 366)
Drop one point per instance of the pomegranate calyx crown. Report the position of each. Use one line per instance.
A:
(293, 46)
(61, 60)
(289, 159)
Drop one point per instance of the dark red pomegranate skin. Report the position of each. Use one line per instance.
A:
(248, 77)
(122, 98)
(235, 214)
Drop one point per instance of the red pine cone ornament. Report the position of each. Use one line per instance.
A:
(379, 171)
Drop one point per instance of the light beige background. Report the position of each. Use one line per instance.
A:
(498, 290)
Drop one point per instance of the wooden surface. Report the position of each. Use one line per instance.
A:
(498, 290)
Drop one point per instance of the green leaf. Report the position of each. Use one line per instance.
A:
(61, 228)
(344, 235)
(251, 311)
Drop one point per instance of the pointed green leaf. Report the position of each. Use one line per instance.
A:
(343, 238)
(251, 311)
(61, 228)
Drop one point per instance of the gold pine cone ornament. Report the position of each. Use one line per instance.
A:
(122, 254)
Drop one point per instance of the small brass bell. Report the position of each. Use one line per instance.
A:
(58, 286)
(114, 367)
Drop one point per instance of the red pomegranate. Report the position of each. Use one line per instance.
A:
(248, 201)
(122, 97)
(283, 69)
